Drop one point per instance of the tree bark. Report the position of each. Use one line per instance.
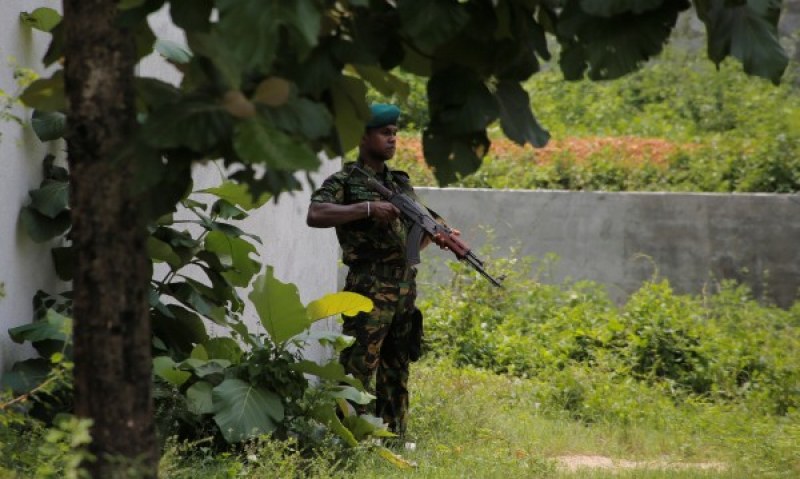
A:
(112, 270)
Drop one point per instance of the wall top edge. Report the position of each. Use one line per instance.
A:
(786, 196)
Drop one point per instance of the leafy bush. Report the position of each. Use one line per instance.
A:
(598, 360)
(233, 385)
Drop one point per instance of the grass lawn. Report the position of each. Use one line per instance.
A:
(470, 423)
(476, 424)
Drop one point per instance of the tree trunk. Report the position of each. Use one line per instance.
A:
(112, 270)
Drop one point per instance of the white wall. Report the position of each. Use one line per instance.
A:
(25, 266)
(301, 255)
(621, 240)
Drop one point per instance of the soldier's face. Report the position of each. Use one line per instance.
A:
(381, 142)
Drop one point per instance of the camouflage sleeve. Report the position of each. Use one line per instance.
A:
(331, 191)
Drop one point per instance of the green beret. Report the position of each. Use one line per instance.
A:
(382, 114)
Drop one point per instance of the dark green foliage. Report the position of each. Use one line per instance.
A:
(474, 56)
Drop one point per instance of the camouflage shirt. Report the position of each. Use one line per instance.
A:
(367, 241)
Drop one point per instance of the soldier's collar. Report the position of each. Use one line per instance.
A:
(385, 176)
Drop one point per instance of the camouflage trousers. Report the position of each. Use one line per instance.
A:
(381, 340)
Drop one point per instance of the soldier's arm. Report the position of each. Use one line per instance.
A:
(325, 215)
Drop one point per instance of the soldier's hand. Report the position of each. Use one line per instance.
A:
(383, 211)
(441, 238)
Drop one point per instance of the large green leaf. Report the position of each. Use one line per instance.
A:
(173, 52)
(453, 157)
(198, 124)
(159, 252)
(385, 82)
(46, 94)
(51, 199)
(144, 38)
(49, 125)
(301, 116)
(610, 47)
(747, 30)
(204, 368)
(165, 368)
(279, 307)
(234, 253)
(43, 18)
(237, 194)
(364, 426)
(352, 394)
(199, 398)
(153, 93)
(332, 371)
(203, 299)
(459, 102)
(336, 340)
(42, 228)
(256, 141)
(429, 23)
(191, 14)
(49, 334)
(351, 111)
(54, 326)
(250, 31)
(179, 328)
(516, 117)
(26, 375)
(63, 259)
(213, 47)
(223, 348)
(242, 410)
(304, 18)
(344, 302)
(327, 415)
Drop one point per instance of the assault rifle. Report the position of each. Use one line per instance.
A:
(423, 223)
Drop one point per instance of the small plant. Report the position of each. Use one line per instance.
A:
(10, 101)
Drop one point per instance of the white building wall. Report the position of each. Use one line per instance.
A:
(25, 266)
(301, 255)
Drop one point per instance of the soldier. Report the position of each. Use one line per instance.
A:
(372, 236)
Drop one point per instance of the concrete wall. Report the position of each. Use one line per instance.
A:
(25, 266)
(299, 254)
(621, 239)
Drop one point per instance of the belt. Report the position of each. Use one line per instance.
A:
(385, 271)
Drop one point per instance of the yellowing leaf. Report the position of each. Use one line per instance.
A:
(395, 459)
(238, 105)
(273, 91)
(344, 302)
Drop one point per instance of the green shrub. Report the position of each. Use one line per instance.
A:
(600, 361)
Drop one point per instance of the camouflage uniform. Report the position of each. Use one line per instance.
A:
(376, 256)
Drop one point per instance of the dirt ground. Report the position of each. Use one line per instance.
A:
(576, 462)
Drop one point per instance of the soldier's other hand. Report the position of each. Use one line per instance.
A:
(383, 211)
(441, 238)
